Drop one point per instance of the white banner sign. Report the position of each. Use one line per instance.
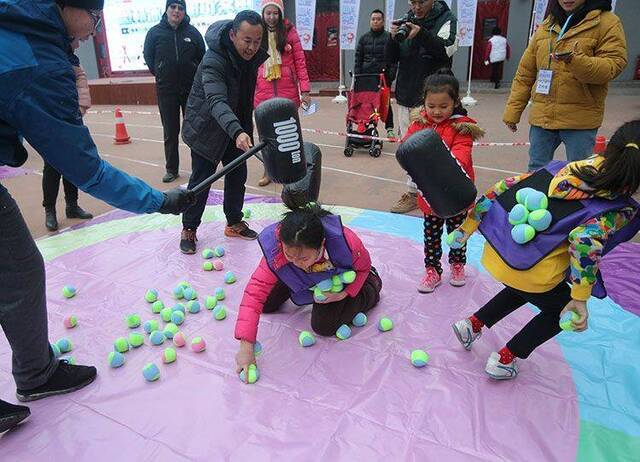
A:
(349, 10)
(613, 5)
(389, 7)
(466, 21)
(537, 16)
(305, 22)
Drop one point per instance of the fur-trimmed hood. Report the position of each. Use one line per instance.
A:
(459, 121)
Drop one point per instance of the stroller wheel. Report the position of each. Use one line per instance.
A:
(375, 151)
(348, 152)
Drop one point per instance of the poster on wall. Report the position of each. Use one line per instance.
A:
(613, 5)
(305, 22)
(466, 21)
(349, 10)
(127, 23)
(389, 10)
(537, 16)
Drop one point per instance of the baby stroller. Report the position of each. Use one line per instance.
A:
(367, 103)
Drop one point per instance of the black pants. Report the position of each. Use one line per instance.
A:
(23, 305)
(326, 318)
(537, 331)
(496, 73)
(433, 226)
(51, 186)
(389, 122)
(169, 106)
(234, 188)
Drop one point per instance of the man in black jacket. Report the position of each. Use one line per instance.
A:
(172, 50)
(370, 57)
(218, 123)
(429, 46)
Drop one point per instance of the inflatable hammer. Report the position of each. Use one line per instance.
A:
(280, 142)
(437, 173)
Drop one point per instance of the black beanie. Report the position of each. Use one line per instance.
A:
(83, 4)
(178, 2)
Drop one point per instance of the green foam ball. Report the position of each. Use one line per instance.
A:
(220, 312)
(170, 330)
(252, 375)
(385, 324)
(207, 266)
(567, 319)
(419, 358)
(522, 194)
(157, 306)
(69, 291)
(121, 345)
(151, 295)
(518, 215)
(165, 314)
(169, 355)
(133, 321)
(306, 338)
(348, 277)
(207, 253)
(246, 214)
(540, 219)
(523, 233)
(177, 317)
(211, 302)
(136, 340)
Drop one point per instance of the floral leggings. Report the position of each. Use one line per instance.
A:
(433, 226)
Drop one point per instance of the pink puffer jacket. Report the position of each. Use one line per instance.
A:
(263, 280)
(294, 80)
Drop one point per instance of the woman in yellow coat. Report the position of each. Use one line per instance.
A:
(565, 71)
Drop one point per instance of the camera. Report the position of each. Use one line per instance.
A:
(403, 29)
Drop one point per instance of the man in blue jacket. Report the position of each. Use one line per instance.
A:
(39, 102)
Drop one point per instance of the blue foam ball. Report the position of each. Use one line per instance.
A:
(343, 332)
(178, 292)
(257, 349)
(157, 337)
(359, 320)
(151, 372)
(325, 285)
(218, 251)
(522, 194)
(56, 350)
(189, 294)
(540, 219)
(193, 306)
(177, 317)
(536, 200)
(523, 233)
(179, 307)
(115, 359)
(518, 215)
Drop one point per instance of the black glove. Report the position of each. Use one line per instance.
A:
(177, 201)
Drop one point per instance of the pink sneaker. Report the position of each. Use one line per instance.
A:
(457, 275)
(430, 281)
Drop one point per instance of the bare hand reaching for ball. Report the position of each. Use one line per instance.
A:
(244, 357)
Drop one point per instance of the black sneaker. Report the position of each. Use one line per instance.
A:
(188, 241)
(240, 230)
(169, 177)
(11, 415)
(66, 378)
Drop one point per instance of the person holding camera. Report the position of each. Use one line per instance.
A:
(424, 40)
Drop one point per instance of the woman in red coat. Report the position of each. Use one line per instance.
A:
(284, 74)
(443, 113)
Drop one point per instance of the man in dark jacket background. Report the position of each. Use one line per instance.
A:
(370, 57)
(429, 46)
(172, 50)
(218, 124)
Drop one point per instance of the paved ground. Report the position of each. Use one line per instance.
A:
(360, 181)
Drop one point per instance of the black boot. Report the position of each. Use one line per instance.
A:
(75, 211)
(50, 219)
(11, 415)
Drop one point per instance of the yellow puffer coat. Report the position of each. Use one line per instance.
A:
(579, 88)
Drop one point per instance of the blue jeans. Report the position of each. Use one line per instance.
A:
(578, 143)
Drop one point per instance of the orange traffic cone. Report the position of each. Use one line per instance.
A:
(122, 137)
(601, 144)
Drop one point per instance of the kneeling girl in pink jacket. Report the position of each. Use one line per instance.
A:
(308, 246)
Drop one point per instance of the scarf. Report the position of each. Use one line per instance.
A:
(272, 64)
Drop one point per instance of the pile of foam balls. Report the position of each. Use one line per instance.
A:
(335, 284)
(530, 215)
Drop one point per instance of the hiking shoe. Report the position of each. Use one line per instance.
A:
(465, 334)
(407, 203)
(457, 275)
(430, 281)
(264, 181)
(188, 241)
(75, 211)
(240, 230)
(498, 371)
(169, 177)
(11, 415)
(66, 378)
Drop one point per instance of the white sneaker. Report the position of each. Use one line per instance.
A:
(464, 331)
(499, 371)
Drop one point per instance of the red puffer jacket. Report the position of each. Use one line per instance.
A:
(294, 80)
(458, 132)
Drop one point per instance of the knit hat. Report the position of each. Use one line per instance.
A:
(177, 2)
(83, 4)
(277, 3)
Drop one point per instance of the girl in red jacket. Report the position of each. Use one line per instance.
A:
(308, 246)
(284, 74)
(443, 113)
